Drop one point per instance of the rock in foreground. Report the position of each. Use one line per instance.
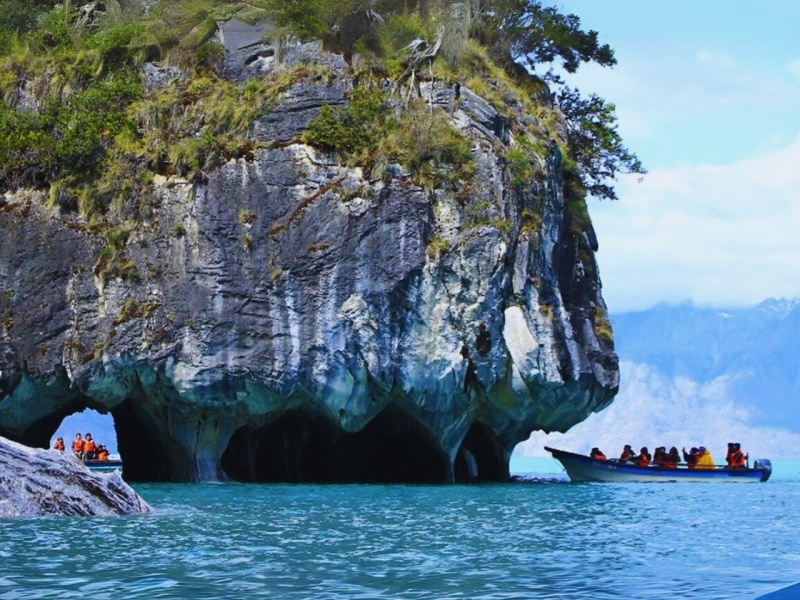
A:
(45, 482)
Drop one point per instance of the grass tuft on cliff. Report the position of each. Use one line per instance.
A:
(76, 120)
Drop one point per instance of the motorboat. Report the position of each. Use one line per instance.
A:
(580, 467)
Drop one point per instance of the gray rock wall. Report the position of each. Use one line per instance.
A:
(294, 319)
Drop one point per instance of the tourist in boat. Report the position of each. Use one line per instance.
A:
(729, 454)
(89, 447)
(660, 456)
(627, 454)
(59, 444)
(597, 454)
(77, 445)
(673, 458)
(704, 459)
(102, 452)
(690, 457)
(739, 459)
(643, 458)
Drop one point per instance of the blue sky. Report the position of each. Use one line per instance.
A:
(708, 96)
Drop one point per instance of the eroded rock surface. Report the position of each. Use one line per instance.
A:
(295, 319)
(36, 482)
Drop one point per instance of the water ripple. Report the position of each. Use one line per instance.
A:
(537, 538)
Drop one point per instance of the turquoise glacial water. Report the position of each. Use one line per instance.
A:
(540, 537)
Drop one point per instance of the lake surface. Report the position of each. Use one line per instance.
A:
(537, 538)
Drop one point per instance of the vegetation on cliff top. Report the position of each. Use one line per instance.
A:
(76, 120)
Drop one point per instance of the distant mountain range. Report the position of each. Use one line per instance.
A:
(692, 375)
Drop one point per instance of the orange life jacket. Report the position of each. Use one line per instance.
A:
(599, 456)
(102, 455)
(738, 460)
(643, 461)
(77, 446)
(59, 445)
(89, 447)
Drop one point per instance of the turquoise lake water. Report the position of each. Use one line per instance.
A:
(540, 537)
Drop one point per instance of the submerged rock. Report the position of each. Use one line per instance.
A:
(47, 482)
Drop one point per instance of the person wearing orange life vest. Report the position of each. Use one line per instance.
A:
(643, 458)
(660, 456)
(729, 454)
(739, 458)
(77, 446)
(627, 454)
(59, 444)
(597, 454)
(102, 452)
(672, 458)
(89, 447)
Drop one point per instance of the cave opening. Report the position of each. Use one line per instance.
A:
(480, 457)
(145, 457)
(304, 447)
(87, 421)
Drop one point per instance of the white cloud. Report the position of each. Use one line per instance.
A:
(688, 103)
(715, 234)
(653, 410)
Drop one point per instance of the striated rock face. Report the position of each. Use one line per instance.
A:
(294, 319)
(46, 482)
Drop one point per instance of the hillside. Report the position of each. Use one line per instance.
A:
(691, 375)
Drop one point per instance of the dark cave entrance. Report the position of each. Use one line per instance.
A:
(145, 457)
(480, 457)
(303, 447)
(122, 431)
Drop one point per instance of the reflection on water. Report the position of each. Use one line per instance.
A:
(538, 537)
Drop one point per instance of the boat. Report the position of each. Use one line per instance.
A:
(584, 468)
(103, 466)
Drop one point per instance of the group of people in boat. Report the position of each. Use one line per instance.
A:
(697, 458)
(84, 448)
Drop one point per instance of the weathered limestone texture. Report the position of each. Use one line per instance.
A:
(296, 319)
(47, 482)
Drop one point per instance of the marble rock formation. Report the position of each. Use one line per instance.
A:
(295, 319)
(37, 482)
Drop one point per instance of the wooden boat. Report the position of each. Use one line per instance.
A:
(103, 466)
(584, 468)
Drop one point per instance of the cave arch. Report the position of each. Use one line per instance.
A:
(481, 457)
(301, 446)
